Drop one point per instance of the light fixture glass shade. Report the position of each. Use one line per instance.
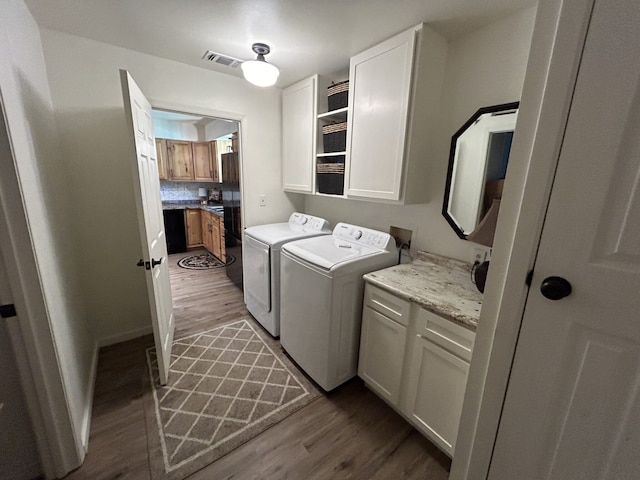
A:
(260, 73)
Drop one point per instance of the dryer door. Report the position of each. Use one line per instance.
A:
(257, 272)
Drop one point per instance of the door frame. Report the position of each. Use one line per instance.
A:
(556, 49)
(242, 119)
(31, 334)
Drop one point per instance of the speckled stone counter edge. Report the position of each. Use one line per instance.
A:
(418, 281)
(176, 205)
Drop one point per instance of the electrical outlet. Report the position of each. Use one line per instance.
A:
(479, 255)
(263, 200)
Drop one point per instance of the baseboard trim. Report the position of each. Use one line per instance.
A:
(124, 336)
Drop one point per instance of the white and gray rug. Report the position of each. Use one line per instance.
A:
(226, 385)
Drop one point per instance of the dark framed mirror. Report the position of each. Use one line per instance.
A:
(477, 166)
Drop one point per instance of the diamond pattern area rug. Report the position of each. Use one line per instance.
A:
(226, 386)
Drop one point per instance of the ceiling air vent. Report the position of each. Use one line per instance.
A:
(221, 59)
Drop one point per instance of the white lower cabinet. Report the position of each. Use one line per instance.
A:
(382, 345)
(436, 391)
(417, 362)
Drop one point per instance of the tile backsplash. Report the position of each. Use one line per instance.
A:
(183, 190)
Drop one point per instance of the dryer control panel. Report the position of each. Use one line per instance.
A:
(364, 236)
(309, 222)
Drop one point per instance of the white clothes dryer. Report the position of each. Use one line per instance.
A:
(261, 257)
(321, 298)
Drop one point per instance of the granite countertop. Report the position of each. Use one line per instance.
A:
(439, 284)
(183, 204)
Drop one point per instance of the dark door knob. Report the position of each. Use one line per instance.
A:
(555, 288)
(155, 262)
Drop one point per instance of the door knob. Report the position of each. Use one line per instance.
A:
(155, 262)
(555, 288)
(142, 263)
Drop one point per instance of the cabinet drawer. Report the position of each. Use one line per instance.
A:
(449, 335)
(387, 304)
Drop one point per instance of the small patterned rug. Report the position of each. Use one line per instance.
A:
(204, 261)
(226, 386)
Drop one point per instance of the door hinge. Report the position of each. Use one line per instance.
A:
(529, 278)
(8, 310)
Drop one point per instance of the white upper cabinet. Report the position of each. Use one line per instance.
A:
(394, 102)
(299, 112)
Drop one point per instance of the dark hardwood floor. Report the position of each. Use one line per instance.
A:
(348, 433)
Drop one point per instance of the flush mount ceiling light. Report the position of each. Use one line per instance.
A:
(258, 71)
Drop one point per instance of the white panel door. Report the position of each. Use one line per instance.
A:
(572, 409)
(379, 93)
(382, 346)
(18, 451)
(299, 135)
(149, 206)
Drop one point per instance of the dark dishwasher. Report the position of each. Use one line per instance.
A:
(174, 231)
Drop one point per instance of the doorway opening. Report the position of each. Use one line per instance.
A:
(199, 173)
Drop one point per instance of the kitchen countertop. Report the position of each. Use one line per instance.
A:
(439, 284)
(181, 205)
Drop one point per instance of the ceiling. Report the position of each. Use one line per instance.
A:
(306, 36)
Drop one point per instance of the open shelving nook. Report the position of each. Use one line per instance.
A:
(330, 166)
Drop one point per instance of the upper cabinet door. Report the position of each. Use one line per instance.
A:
(180, 160)
(163, 161)
(380, 80)
(202, 165)
(299, 110)
(395, 90)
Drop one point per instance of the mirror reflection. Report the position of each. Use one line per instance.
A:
(477, 167)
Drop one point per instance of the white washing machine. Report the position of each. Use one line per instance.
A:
(321, 298)
(261, 266)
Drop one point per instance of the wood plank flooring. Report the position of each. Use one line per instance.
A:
(348, 433)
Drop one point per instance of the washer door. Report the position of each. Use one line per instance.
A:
(257, 278)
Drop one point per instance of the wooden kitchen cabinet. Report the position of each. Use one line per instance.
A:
(230, 167)
(213, 234)
(213, 150)
(417, 361)
(205, 221)
(223, 250)
(202, 161)
(194, 227)
(180, 156)
(394, 94)
(163, 161)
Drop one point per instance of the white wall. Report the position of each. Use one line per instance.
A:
(219, 128)
(485, 67)
(87, 98)
(175, 130)
(44, 190)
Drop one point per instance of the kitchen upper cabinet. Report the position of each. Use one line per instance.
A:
(394, 94)
(230, 167)
(299, 133)
(180, 156)
(213, 150)
(202, 161)
(194, 227)
(163, 161)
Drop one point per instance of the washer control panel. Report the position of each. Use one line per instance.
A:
(309, 222)
(364, 236)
